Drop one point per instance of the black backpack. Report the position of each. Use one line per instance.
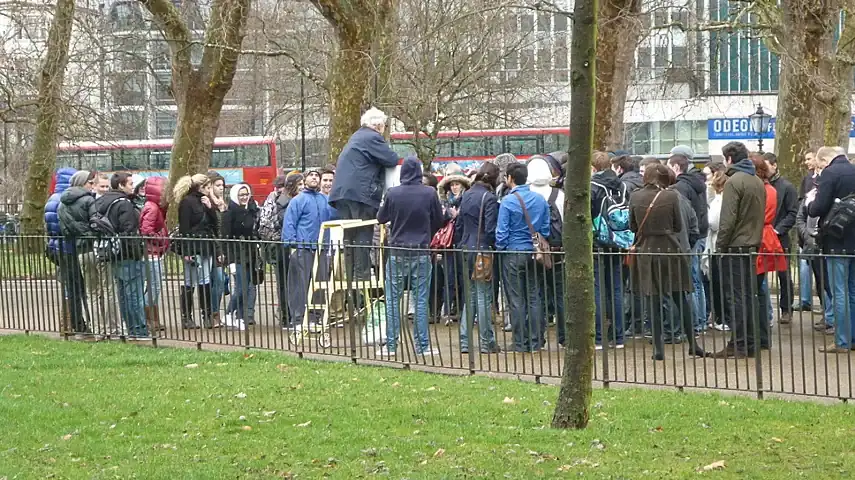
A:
(556, 225)
(108, 245)
(839, 218)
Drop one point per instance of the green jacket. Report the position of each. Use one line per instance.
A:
(743, 208)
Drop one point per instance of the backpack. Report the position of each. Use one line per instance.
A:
(108, 246)
(839, 218)
(556, 224)
(270, 220)
(611, 227)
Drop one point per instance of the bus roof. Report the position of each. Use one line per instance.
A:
(488, 133)
(159, 143)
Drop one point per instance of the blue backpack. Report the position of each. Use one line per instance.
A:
(611, 227)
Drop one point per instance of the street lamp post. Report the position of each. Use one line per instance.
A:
(760, 121)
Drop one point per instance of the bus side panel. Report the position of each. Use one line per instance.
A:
(260, 179)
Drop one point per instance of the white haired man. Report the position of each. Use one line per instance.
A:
(358, 187)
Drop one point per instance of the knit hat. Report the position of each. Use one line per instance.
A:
(503, 161)
(80, 178)
(683, 150)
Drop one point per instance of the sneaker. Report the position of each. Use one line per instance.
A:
(619, 346)
(802, 308)
(786, 318)
(721, 327)
(429, 352)
(818, 310)
(384, 352)
(598, 346)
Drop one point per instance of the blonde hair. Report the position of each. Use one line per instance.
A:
(187, 183)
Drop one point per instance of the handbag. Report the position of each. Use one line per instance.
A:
(444, 237)
(483, 268)
(542, 252)
(629, 259)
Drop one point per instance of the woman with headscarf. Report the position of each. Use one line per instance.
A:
(240, 222)
(197, 227)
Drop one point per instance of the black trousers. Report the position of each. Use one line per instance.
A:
(74, 290)
(666, 308)
(357, 258)
(299, 280)
(282, 260)
(741, 308)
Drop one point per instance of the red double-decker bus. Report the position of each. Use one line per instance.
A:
(470, 148)
(250, 160)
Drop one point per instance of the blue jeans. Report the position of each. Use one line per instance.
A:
(218, 288)
(130, 286)
(242, 301)
(841, 273)
(829, 310)
(805, 297)
(523, 292)
(765, 299)
(608, 295)
(154, 277)
(698, 298)
(479, 303)
(416, 269)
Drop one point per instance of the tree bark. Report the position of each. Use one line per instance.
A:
(838, 116)
(617, 36)
(805, 40)
(356, 69)
(572, 409)
(43, 159)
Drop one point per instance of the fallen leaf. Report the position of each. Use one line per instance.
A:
(270, 413)
(509, 401)
(304, 424)
(430, 389)
(396, 384)
(240, 395)
(282, 367)
(717, 465)
(439, 453)
(246, 427)
(191, 365)
(776, 440)
(565, 468)
(67, 437)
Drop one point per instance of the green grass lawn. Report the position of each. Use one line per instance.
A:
(78, 410)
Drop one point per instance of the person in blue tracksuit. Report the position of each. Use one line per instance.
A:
(300, 229)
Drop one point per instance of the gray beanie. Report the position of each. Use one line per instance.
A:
(684, 150)
(503, 161)
(80, 178)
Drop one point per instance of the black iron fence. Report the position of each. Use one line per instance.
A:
(657, 323)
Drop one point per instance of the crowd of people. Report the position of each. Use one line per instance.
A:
(677, 249)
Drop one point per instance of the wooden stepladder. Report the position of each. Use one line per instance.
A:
(321, 292)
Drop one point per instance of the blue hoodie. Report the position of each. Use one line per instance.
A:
(303, 218)
(413, 210)
(63, 182)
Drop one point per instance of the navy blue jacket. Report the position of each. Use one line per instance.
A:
(836, 181)
(303, 218)
(468, 217)
(63, 181)
(360, 173)
(412, 208)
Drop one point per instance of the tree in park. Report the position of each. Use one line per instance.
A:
(572, 409)
(199, 91)
(362, 28)
(43, 157)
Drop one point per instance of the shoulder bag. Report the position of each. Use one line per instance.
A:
(542, 253)
(483, 268)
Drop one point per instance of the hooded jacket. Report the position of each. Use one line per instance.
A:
(303, 218)
(448, 199)
(360, 171)
(837, 180)
(413, 210)
(540, 181)
(153, 217)
(76, 202)
(692, 185)
(632, 180)
(52, 226)
(241, 223)
(197, 220)
(770, 243)
(743, 207)
(807, 229)
(125, 219)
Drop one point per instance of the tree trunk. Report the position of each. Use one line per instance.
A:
(574, 399)
(838, 116)
(198, 122)
(43, 159)
(617, 37)
(352, 76)
(799, 124)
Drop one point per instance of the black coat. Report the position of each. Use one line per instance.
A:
(468, 217)
(125, 219)
(241, 223)
(195, 220)
(74, 207)
(836, 181)
(788, 207)
(692, 185)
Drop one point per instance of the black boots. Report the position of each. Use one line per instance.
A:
(186, 302)
(205, 304)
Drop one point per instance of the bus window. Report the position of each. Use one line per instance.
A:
(470, 147)
(96, 160)
(494, 146)
(159, 159)
(550, 143)
(224, 157)
(527, 145)
(131, 159)
(443, 148)
(403, 148)
(254, 156)
(563, 143)
(68, 159)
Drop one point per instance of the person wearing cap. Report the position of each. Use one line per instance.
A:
(691, 184)
(358, 187)
(270, 230)
(73, 214)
